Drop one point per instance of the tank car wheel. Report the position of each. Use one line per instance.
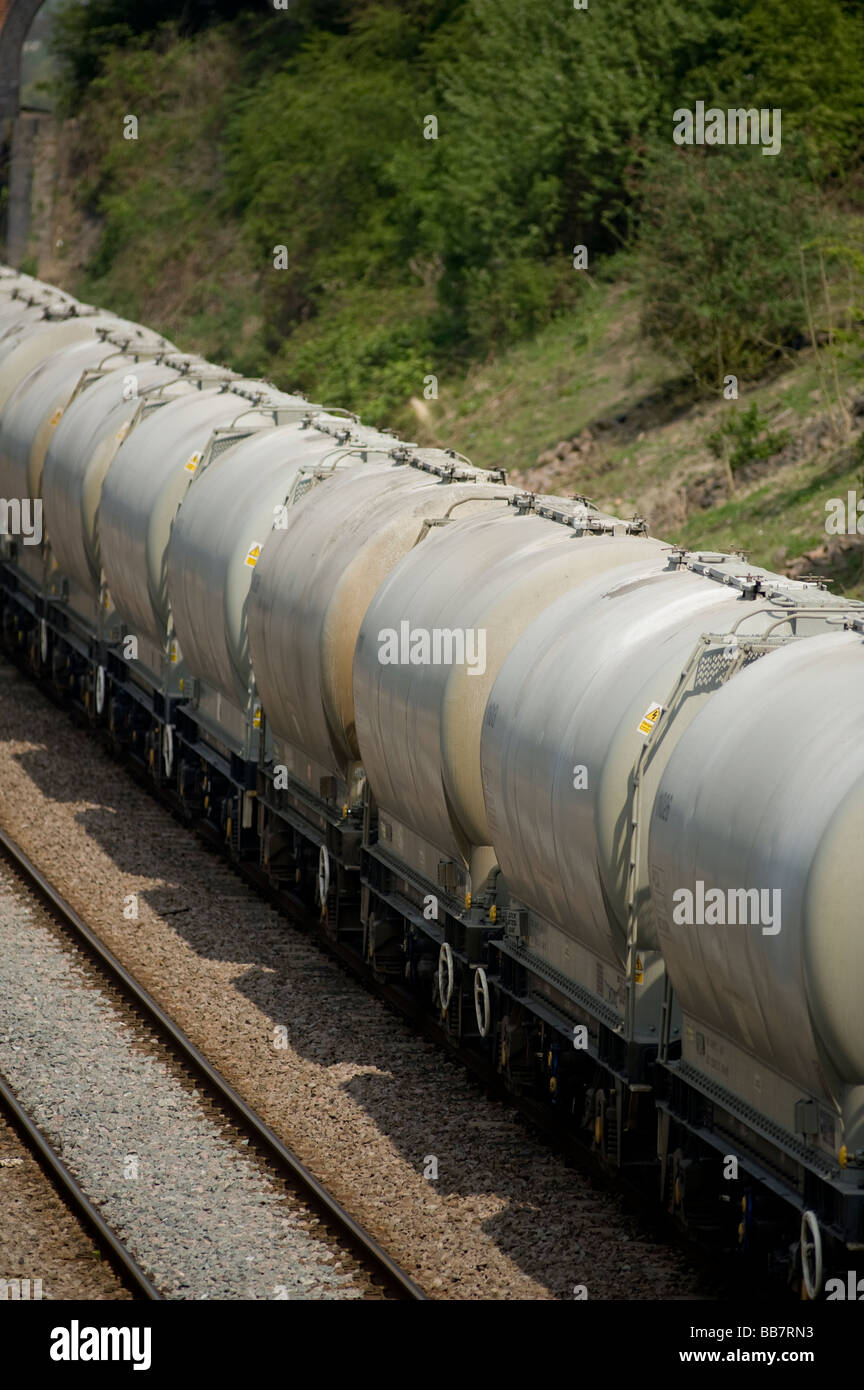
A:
(168, 749)
(43, 641)
(323, 877)
(482, 1006)
(446, 976)
(811, 1254)
(100, 689)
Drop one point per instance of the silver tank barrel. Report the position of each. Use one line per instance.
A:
(146, 483)
(220, 534)
(765, 792)
(316, 579)
(476, 584)
(30, 342)
(564, 728)
(79, 455)
(36, 406)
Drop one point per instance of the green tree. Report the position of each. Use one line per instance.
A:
(719, 255)
(543, 110)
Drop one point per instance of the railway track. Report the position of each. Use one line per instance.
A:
(107, 1240)
(384, 1273)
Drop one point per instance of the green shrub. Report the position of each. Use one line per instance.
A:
(744, 438)
(720, 243)
(369, 351)
(407, 255)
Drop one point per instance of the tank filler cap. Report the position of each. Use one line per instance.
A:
(524, 502)
(445, 464)
(809, 580)
(677, 556)
(581, 514)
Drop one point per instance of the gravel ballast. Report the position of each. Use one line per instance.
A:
(200, 1219)
(42, 1245)
(451, 1183)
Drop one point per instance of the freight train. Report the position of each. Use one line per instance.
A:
(592, 801)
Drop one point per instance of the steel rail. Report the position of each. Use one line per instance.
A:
(87, 1213)
(269, 1143)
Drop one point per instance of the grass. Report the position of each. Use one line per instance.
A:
(505, 411)
(593, 368)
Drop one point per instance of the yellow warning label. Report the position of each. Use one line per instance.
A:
(256, 718)
(173, 653)
(649, 719)
(253, 555)
(637, 971)
(192, 463)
